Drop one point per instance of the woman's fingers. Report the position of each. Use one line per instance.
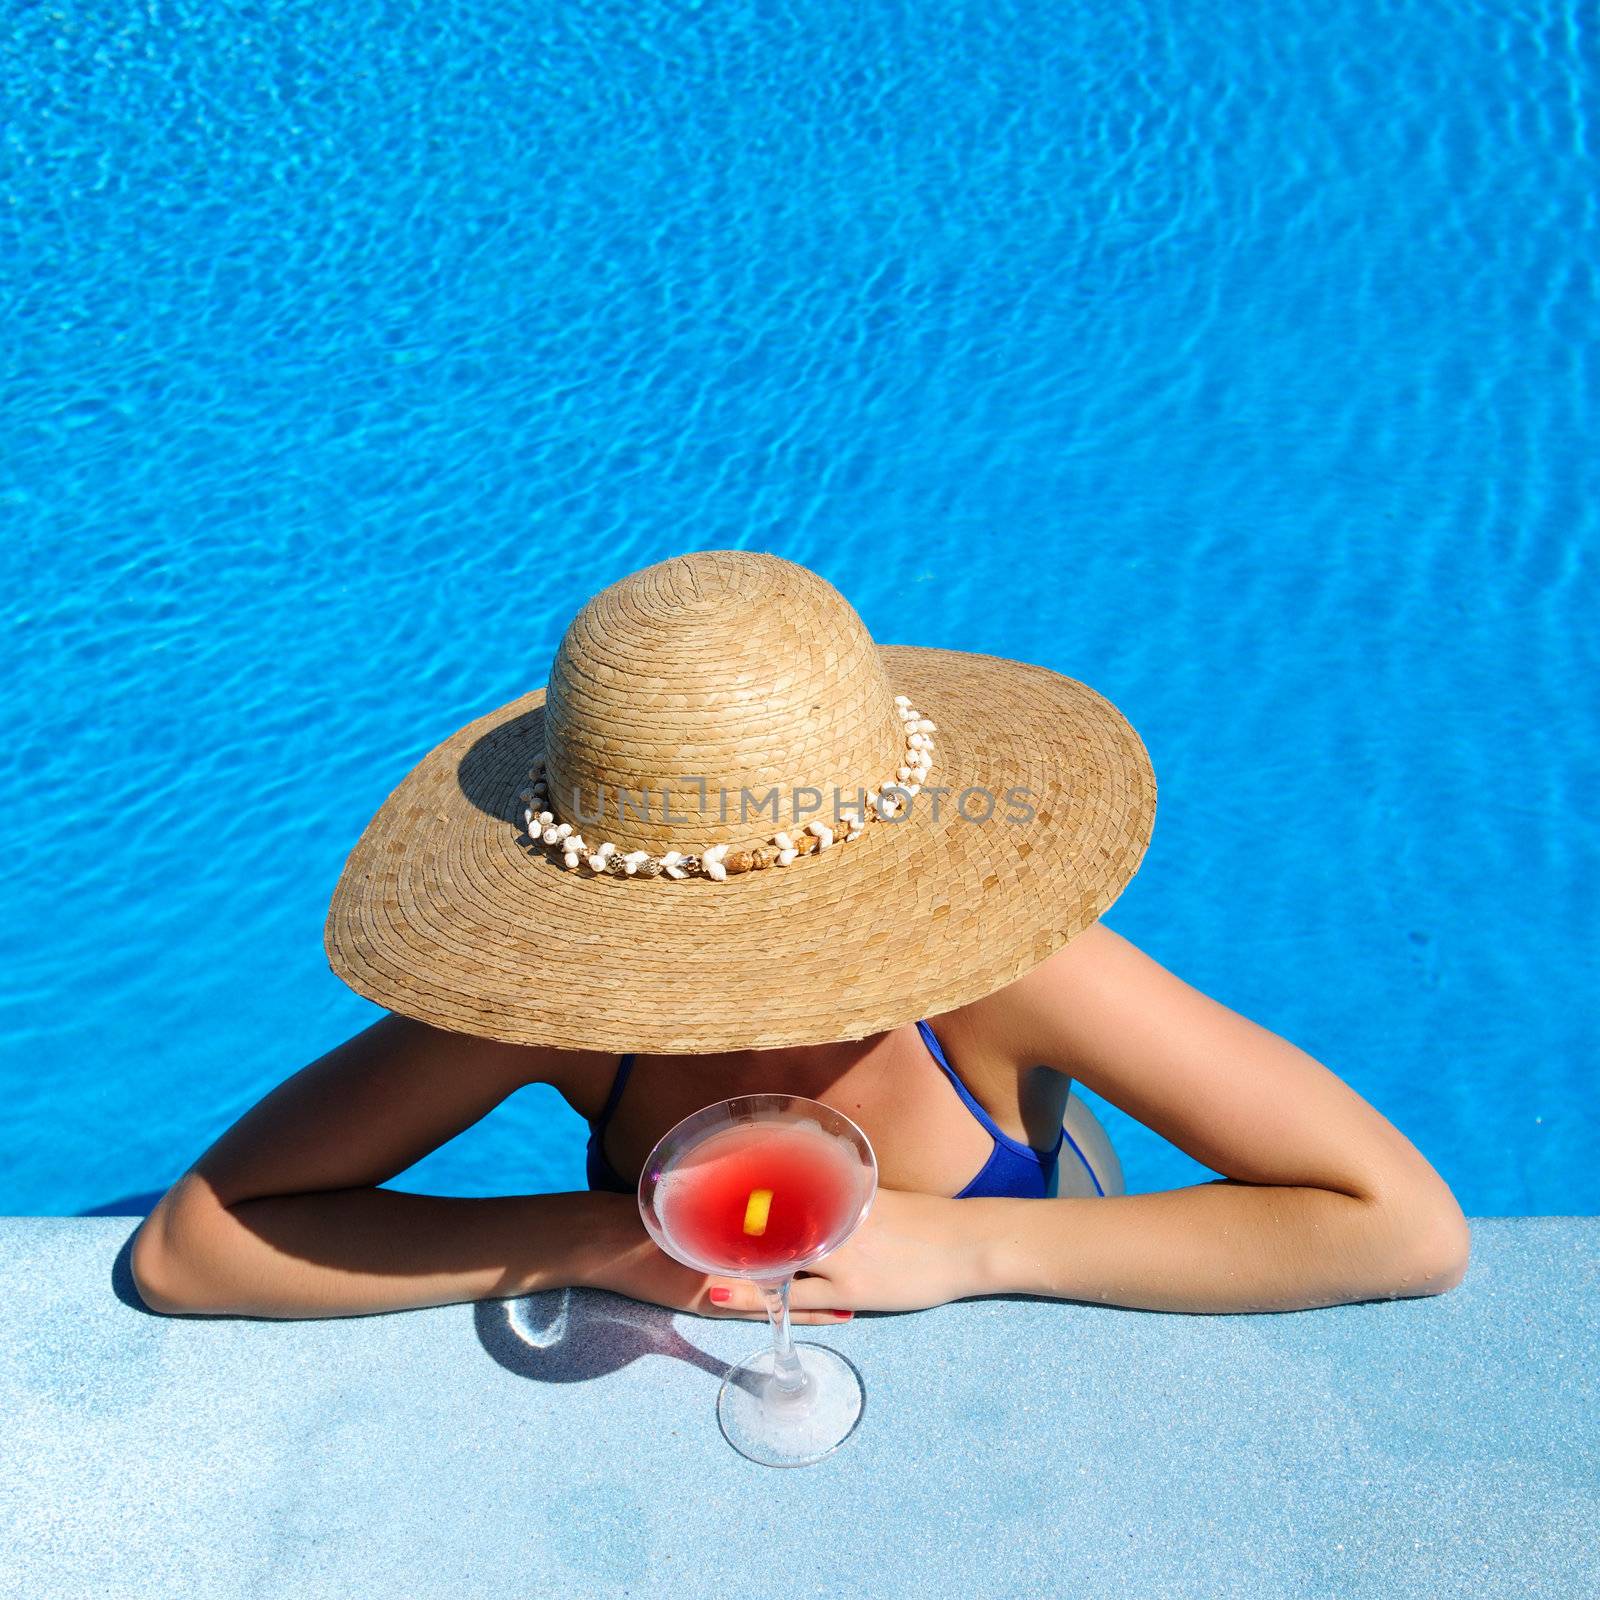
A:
(810, 1294)
(736, 1298)
(797, 1319)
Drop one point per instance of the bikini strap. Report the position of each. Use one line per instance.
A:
(970, 1101)
(618, 1083)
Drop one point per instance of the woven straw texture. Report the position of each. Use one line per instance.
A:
(750, 672)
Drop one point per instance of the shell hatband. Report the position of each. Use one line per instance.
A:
(719, 861)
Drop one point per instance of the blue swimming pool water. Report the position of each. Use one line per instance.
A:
(1240, 360)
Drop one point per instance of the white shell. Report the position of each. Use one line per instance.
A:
(854, 833)
(823, 832)
(913, 788)
(673, 870)
(550, 835)
(714, 869)
(563, 829)
(607, 849)
(713, 856)
(634, 859)
(671, 858)
(597, 862)
(786, 856)
(902, 699)
(783, 841)
(925, 726)
(903, 774)
(570, 859)
(546, 818)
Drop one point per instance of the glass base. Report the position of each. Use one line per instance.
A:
(766, 1425)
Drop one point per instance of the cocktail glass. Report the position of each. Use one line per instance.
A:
(761, 1187)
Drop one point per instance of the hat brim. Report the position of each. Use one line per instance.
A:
(442, 915)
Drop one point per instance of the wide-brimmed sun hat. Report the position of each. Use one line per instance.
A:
(731, 820)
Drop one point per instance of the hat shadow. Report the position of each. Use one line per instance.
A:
(574, 1335)
(495, 767)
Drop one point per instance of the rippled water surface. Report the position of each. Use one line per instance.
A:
(1240, 360)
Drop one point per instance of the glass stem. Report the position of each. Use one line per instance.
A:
(787, 1372)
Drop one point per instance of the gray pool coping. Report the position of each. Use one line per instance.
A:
(566, 1445)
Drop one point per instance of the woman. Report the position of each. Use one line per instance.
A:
(924, 953)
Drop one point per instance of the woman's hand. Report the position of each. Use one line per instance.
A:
(624, 1258)
(913, 1251)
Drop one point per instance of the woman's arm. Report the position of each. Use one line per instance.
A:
(1323, 1202)
(282, 1216)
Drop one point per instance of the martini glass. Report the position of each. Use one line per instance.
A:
(759, 1187)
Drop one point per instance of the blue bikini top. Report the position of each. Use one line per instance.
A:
(1013, 1168)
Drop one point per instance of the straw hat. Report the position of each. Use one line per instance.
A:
(710, 683)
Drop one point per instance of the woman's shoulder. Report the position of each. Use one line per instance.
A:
(1030, 1021)
(580, 1077)
(1090, 949)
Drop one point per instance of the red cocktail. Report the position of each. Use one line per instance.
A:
(761, 1199)
(759, 1187)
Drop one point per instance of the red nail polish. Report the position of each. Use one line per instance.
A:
(722, 1296)
(844, 1316)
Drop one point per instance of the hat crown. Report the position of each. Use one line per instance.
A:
(684, 694)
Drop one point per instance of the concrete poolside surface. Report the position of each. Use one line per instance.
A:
(566, 1445)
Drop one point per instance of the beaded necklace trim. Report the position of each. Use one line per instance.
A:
(720, 861)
